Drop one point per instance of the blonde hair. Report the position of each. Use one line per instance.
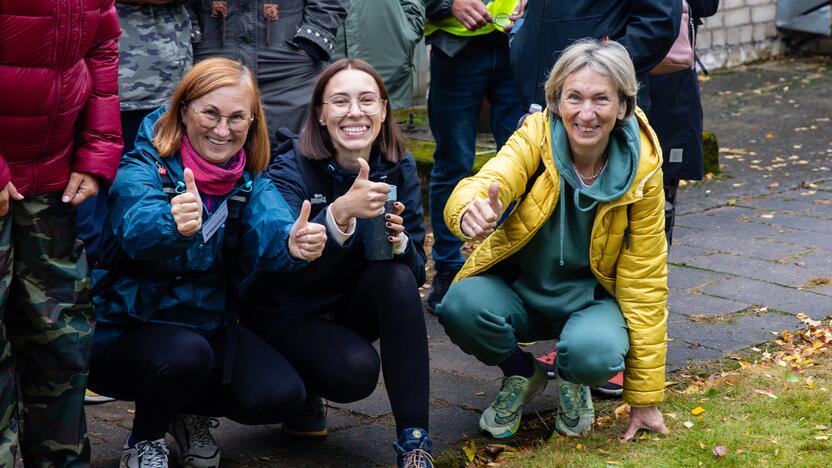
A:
(206, 77)
(608, 58)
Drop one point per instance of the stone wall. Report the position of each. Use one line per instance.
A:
(741, 31)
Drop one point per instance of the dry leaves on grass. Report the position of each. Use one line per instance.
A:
(799, 346)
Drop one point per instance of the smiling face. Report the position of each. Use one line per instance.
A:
(218, 144)
(589, 105)
(352, 134)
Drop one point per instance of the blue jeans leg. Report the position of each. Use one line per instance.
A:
(458, 87)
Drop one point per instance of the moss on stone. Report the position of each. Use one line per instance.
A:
(710, 148)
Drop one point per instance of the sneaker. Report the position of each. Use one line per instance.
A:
(441, 282)
(92, 398)
(575, 411)
(413, 449)
(502, 418)
(613, 388)
(195, 446)
(311, 423)
(145, 454)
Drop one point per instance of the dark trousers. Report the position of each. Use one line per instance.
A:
(169, 370)
(336, 357)
(458, 87)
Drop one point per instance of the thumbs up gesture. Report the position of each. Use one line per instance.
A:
(480, 217)
(364, 199)
(306, 240)
(187, 207)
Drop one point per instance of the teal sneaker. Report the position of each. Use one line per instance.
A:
(502, 418)
(575, 411)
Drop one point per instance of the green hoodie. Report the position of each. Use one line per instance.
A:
(555, 278)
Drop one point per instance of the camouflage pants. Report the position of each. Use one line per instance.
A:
(46, 325)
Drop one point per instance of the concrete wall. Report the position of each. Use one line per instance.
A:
(741, 31)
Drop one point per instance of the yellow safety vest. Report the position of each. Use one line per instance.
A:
(453, 26)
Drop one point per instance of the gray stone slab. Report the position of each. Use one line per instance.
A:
(460, 389)
(805, 238)
(784, 274)
(791, 300)
(715, 225)
(804, 223)
(370, 444)
(680, 353)
(793, 203)
(682, 302)
(744, 331)
(681, 254)
(451, 424)
(446, 356)
(680, 277)
(728, 242)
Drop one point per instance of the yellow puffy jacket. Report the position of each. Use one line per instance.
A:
(628, 250)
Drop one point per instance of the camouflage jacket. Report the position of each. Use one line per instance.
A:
(154, 53)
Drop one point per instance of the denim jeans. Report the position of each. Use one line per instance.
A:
(458, 86)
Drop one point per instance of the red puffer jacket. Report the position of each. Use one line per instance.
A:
(59, 108)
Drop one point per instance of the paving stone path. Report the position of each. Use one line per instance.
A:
(751, 250)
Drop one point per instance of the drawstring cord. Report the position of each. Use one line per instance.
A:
(271, 12)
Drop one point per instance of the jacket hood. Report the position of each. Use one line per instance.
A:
(618, 175)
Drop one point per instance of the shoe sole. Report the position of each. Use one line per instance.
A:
(607, 393)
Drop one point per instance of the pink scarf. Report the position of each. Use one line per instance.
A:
(212, 179)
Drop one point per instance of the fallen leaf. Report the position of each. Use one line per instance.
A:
(470, 450)
(697, 411)
(732, 202)
(821, 437)
(740, 451)
(701, 444)
(769, 136)
(766, 393)
(821, 427)
(720, 451)
(688, 424)
(579, 446)
(611, 462)
(774, 185)
(479, 393)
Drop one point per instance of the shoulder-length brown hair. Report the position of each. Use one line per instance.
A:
(205, 77)
(314, 137)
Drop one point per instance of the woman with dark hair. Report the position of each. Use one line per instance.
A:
(349, 158)
(188, 210)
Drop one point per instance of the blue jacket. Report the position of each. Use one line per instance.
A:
(176, 279)
(329, 277)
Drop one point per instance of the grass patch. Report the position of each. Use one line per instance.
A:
(762, 415)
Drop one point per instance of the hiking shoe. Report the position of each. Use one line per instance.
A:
(145, 454)
(311, 423)
(502, 418)
(413, 449)
(92, 398)
(575, 411)
(195, 446)
(441, 282)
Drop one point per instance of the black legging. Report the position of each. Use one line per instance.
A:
(169, 370)
(336, 358)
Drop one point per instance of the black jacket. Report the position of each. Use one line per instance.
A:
(676, 112)
(647, 28)
(278, 297)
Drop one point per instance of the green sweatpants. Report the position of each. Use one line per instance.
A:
(46, 324)
(486, 318)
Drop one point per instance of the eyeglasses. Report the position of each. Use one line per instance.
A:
(368, 104)
(211, 118)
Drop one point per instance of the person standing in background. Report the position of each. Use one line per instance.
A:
(469, 62)
(60, 138)
(676, 116)
(384, 33)
(646, 28)
(285, 44)
(154, 53)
